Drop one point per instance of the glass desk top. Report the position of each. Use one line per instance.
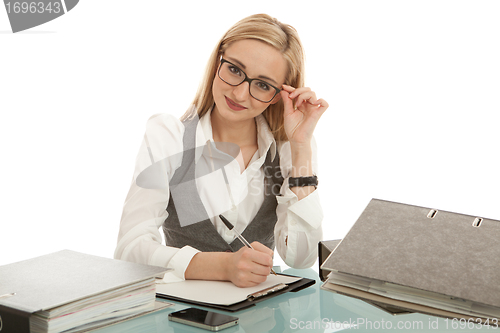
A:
(311, 310)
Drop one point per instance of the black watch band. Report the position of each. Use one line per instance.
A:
(303, 181)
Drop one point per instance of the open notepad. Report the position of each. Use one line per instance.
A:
(225, 295)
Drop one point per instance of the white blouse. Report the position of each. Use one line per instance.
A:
(297, 231)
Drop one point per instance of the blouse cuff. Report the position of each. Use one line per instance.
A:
(309, 210)
(287, 196)
(179, 263)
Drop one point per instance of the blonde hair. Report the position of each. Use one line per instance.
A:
(269, 30)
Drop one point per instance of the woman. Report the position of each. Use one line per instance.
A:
(252, 96)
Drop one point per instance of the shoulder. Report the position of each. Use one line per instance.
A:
(164, 122)
(164, 134)
(164, 126)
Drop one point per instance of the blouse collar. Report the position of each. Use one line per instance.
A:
(265, 139)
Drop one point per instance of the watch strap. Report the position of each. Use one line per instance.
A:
(303, 181)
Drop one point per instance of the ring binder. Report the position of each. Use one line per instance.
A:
(432, 213)
(40, 294)
(267, 291)
(477, 222)
(415, 265)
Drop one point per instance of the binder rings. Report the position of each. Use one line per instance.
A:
(56, 279)
(191, 292)
(420, 259)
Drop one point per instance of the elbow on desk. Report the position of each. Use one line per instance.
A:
(302, 260)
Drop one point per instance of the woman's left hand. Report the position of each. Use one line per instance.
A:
(301, 120)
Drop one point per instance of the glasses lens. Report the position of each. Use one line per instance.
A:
(234, 76)
(262, 91)
(231, 74)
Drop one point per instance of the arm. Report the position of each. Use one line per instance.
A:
(144, 211)
(245, 268)
(298, 229)
(300, 121)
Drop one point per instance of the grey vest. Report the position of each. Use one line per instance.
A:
(203, 235)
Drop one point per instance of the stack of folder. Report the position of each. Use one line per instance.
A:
(420, 260)
(69, 291)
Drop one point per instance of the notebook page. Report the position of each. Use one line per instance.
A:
(218, 292)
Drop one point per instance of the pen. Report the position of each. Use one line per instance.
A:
(240, 237)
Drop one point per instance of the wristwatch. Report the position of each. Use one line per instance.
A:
(303, 181)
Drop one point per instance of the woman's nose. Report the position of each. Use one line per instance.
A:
(241, 92)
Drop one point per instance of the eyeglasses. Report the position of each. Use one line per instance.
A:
(234, 76)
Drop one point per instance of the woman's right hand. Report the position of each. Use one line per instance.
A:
(247, 267)
(244, 268)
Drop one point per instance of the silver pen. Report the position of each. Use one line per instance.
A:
(240, 237)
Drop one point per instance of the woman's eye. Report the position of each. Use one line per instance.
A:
(263, 86)
(234, 70)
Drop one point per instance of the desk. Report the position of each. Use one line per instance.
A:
(309, 310)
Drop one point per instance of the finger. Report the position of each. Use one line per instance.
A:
(253, 262)
(264, 260)
(308, 96)
(258, 260)
(250, 265)
(257, 279)
(299, 91)
(261, 270)
(322, 104)
(287, 102)
(260, 276)
(248, 279)
(288, 88)
(258, 255)
(262, 248)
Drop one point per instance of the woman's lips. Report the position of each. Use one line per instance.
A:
(234, 106)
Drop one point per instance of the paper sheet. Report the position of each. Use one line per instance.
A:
(218, 292)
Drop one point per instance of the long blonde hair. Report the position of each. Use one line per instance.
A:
(269, 30)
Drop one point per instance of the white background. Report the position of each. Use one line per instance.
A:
(413, 88)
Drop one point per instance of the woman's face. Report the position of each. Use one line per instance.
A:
(259, 61)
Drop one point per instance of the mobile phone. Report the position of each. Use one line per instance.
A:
(208, 320)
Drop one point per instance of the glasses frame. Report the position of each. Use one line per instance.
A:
(246, 79)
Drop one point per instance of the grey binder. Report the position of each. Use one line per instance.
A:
(428, 249)
(55, 279)
(325, 248)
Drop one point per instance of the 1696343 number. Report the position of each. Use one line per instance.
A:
(471, 323)
(33, 7)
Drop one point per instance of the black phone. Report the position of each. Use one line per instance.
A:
(208, 320)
